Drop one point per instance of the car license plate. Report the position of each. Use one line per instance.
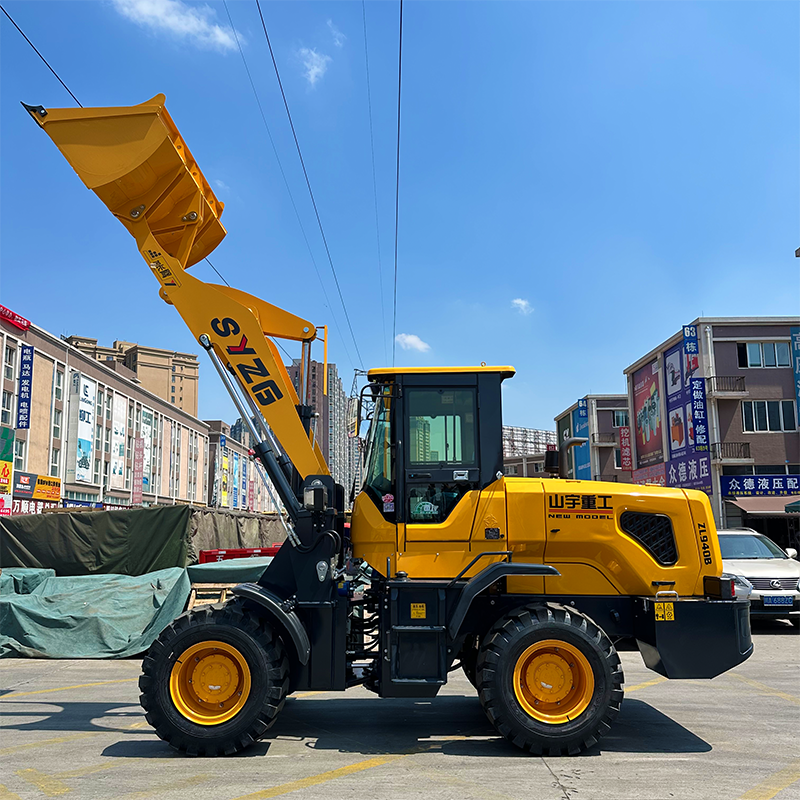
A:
(777, 600)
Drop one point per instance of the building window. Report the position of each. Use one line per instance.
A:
(105, 472)
(130, 415)
(55, 463)
(100, 400)
(19, 454)
(10, 360)
(56, 425)
(617, 458)
(108, 405)
(107, 443)
(98, 438)
(59, 390)
(768, 415)
(8, 408)
(96, 471)
(127, 477)
(763, 354)
(620, 419)
(511, 469)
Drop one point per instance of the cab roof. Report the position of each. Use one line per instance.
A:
(388, 372)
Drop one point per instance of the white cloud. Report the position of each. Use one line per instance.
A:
(222, 185)
(523, 306)
(315, 64)
(410, 341)
(338, 37)
(193, 23)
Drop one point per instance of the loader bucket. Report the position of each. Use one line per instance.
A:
(135, 160)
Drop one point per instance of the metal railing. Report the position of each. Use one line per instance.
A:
(734, 450)
(604, 438)
(727, 383)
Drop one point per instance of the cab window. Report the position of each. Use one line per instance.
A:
(441, 427)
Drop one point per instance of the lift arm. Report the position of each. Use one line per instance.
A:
(135, 160)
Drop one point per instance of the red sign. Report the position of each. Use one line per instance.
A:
(16, 320)
(647, 416)
(251, 494)
(552, 447)
(138, 471)
(626, 459)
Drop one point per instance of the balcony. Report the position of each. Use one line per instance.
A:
(723, 386)
(604, 439)
(731, 451)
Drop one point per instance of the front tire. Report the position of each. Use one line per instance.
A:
(549, 679)
(214, 680)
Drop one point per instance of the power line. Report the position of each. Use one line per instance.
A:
(308, 183)
(218, 272)
(374, 179)
(58, 78)
(286, 183)
(397, 178)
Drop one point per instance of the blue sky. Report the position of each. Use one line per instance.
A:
(577, 179)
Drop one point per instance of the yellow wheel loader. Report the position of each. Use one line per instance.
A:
(528, 584)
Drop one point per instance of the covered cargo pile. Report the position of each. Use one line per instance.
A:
(87, 616)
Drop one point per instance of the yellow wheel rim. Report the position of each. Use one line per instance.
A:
(553, 681)
(210, 683)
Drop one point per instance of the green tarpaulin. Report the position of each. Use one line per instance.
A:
(124, 542)
(90, 616)
(234, 570)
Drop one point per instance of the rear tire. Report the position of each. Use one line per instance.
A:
(230, 656)
(549, 679)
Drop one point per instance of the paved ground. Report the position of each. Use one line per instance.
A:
(75, 728)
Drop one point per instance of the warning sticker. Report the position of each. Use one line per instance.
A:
(418, 611)
(665, 612)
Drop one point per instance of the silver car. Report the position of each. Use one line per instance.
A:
(771, 575)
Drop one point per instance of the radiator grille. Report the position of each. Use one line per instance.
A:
(764, 583)
(654, 533)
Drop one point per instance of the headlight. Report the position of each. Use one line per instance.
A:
(798, 585)
(741, 585)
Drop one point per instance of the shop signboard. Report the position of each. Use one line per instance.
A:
(138, 462)
(224, 481)
(235, 480)
(28, 486)
(6, 469)
(251, 490)
(245, 496)
(147, 456)
(580, 454)
(655, 474)
(24, 386)
(795, 334)
(626, 458)
(83, 396)
(647, 415)
(119, 432)
(12, 318)
(688, 463)
(759, 485)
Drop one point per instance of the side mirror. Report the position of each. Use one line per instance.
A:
(791, 552)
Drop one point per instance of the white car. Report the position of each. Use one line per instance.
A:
(771, 575)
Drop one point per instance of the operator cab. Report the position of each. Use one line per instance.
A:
(434, 443)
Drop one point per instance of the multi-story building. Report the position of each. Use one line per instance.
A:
(714, 407)
(235, 479)
(332, 423)
(173, 376)
(87, 430)
(527, 466)
(603, 420)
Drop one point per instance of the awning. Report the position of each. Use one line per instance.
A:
(767, 506)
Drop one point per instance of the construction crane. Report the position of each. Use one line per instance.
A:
(528, 584)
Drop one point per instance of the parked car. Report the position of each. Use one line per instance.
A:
(771, 574)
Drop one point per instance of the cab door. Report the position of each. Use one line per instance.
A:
(441, 462)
